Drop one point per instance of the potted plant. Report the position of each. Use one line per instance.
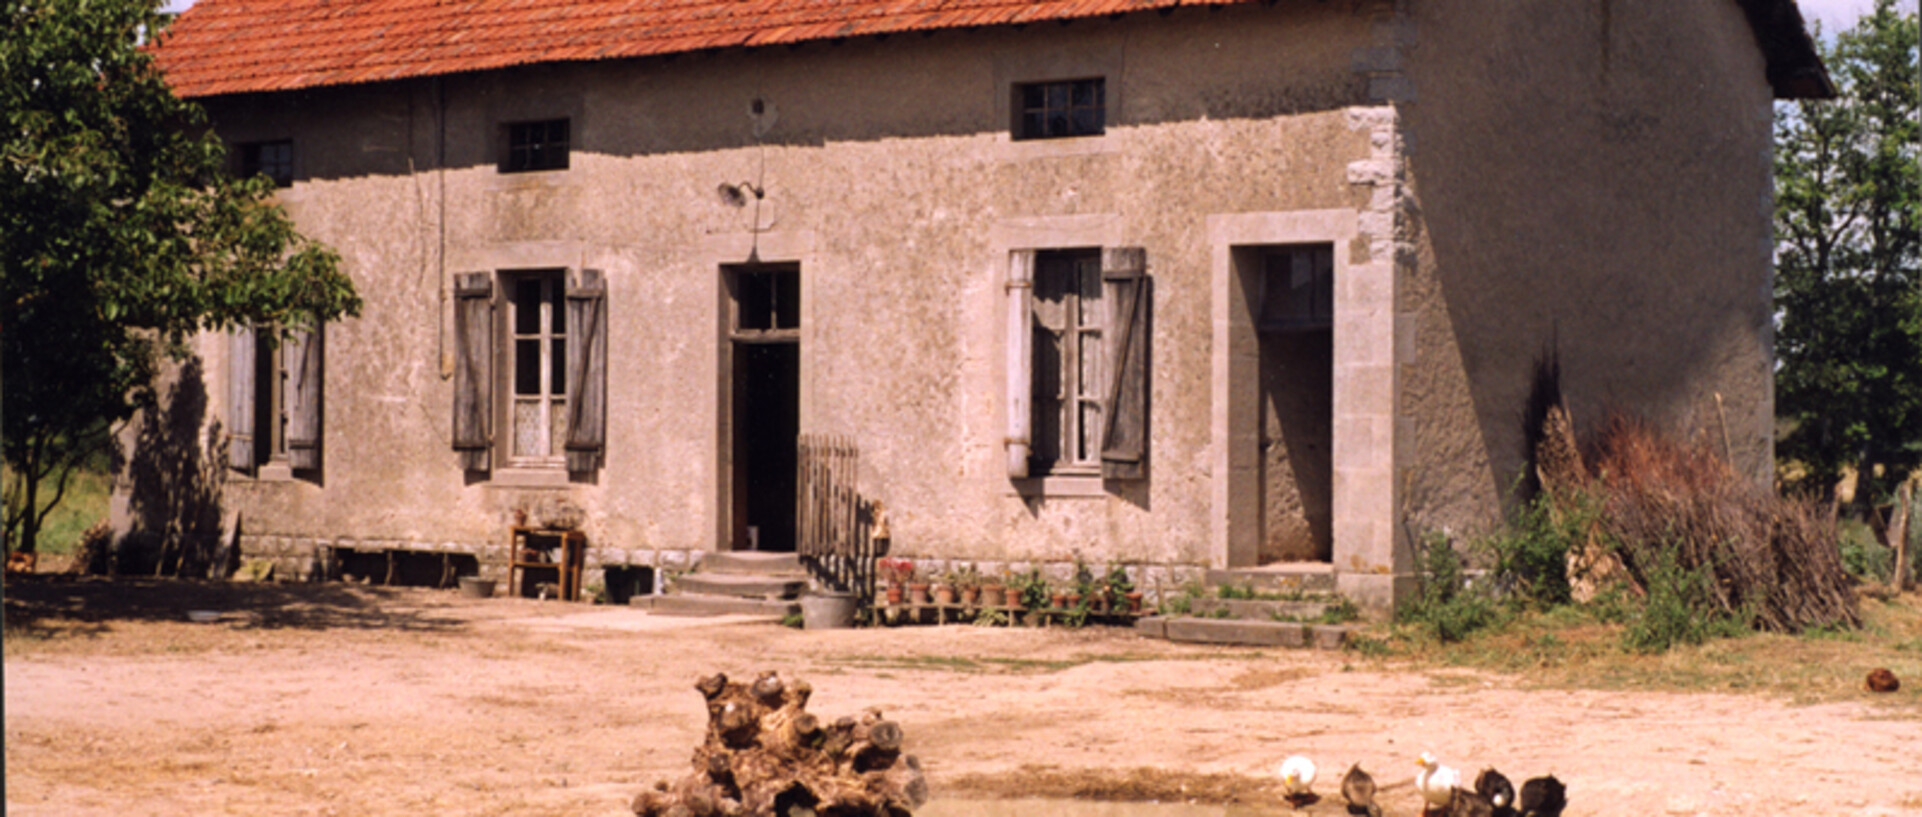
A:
(1122, 594)
(994, 592)
(1086, 588)
(967, 584)
(944, 588)
(896, 573)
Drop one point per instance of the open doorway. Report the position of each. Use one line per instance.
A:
(764, 379)
(1294, 322)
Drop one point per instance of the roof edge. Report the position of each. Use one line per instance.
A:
(1795, 69)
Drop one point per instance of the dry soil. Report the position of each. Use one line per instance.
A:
(345, 700)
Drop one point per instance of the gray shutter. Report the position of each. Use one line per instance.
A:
(301, 354)
(586, 370)
(1130, 294)
(1020, 402)
(240, 398)
(474, 369)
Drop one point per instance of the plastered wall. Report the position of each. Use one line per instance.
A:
(890, 179)
(1590, 177)
(1495, 179)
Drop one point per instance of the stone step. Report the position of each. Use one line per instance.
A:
(740, 585)
(1260, 610)
(750, 562)
(1281, 577)
(702, 604)
(1191, 630)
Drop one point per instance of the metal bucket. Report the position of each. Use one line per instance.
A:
(826, 610)
(475, 587)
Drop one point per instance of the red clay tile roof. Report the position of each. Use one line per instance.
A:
(239, 46)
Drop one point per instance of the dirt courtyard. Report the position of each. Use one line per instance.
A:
(344, 700)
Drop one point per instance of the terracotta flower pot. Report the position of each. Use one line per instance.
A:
(896, 593)
(993, 595)
(970, 596)
(918, 593)
(944, 594)
(1058, 599)
(1133, 598)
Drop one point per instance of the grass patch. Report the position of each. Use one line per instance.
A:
(1576, 648)
(84, 504)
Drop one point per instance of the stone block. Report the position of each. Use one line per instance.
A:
(1224, 631)
(1152, 626)
(1330, 636)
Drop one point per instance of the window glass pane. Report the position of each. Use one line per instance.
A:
(1058, 94)
(1057, 123)
(527, 366)
(530, 439)
(1034, 96)
(557, 374)
(1087, 121)
(1090, 444)
(1090, 291)
(557, 427)
(558, 304)
(787, 300)
(527, 306)
(1090, 380)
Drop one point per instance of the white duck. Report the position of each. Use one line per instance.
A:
(1298, 776)
(1436, 782)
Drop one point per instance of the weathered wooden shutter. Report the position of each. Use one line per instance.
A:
(1020, 291)
(586, 370)
(1130, 295)
(240, 398)
(301, 354)
(474, 369)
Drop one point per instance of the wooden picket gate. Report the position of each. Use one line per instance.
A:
(833, 522)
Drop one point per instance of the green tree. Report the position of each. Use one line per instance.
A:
(1848, 292)
(123, 236)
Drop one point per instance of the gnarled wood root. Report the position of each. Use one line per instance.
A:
(766, 756)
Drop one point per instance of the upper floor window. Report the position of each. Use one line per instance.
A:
(1053, 110)
(275, 160)
(536, 146)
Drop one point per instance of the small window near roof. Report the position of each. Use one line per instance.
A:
(1055, 110)
(536, 146)
(275, 160)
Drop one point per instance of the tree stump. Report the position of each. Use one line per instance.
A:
(765, 756)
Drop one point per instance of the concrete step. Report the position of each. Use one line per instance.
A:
(1260, 610)
(1188, 629)
(702, 604)
(749, 561)
(1281, 577)
(750, 586)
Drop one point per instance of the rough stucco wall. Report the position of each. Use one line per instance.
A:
(1593, 176)
(887, 172)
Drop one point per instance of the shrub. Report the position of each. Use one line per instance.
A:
(1531, 551)
(1681, 608)
(1445, 603)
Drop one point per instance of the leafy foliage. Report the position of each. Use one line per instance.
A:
(1680, 609)
(1848, 290)
(1531, 551)
(1446, 603)
(124, 237)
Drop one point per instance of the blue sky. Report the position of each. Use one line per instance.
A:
(1835, 15)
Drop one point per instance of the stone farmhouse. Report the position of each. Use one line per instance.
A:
(1169, 284)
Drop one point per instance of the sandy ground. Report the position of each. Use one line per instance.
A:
(339, 700)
